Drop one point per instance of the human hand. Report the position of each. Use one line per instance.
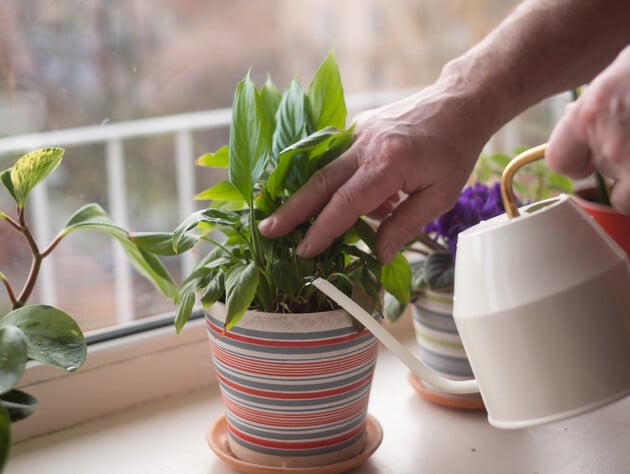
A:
(408, 163)
(594, 133)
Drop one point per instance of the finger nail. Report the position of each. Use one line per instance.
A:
(302, 249)
(266, 225)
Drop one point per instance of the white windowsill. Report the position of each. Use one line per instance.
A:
(168, 435)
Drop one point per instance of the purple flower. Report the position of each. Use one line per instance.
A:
(476, 203)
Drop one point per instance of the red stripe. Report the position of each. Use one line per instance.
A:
(282, 343)
(259, 417)
(286, 368)
(295, 444)
(294, 395)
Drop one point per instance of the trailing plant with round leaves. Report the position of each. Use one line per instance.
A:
(277, 142)
(44, 333)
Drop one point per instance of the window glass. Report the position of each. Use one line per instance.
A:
(70, 64)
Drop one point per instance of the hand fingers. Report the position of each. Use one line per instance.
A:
(620, 196)
(407, 220)
(310, 198)
(367, 190)
(385, 209)
(568, 152)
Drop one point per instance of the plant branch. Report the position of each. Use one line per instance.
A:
(9, 289)
(36, 262)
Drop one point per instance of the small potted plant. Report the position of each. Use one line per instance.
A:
(294, 370)
(439, 344)
(41, 332)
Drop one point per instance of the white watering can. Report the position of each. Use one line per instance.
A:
(542, 305)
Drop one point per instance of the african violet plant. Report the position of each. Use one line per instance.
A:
(40, 332)
(277, 142)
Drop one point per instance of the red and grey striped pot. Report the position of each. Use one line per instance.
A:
(295, 386)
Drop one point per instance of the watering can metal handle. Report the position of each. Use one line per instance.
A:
(507, 193)
(389, 341)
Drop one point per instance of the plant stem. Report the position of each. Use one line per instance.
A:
(36, 262)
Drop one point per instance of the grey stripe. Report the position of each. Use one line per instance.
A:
(434, 320)
(446, 364)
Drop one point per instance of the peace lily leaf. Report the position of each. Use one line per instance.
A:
(185, 304)
(396, 278)
(292, 120)
(295, 155)
(5, 436)
(271, 97)
(240, 288)
(325, 96)
(18, 404)
(32, 168)
(93, 217)
(161, 243)
(52, 336)
(250, 139)
(222, 191)
(13, 356)
(212, 217)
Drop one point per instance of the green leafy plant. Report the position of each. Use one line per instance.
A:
(277, 142)
(40, 332)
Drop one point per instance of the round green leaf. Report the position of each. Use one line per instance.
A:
(18, 404)
(13, 356)
(53, 337)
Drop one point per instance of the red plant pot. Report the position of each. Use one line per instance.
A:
(617, 225)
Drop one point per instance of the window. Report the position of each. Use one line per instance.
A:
(135, 91)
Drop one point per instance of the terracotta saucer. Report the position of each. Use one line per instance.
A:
(218, 440)
(463, 402)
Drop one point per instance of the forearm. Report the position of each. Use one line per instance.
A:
(544, 47)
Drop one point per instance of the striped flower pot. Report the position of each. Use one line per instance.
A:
(295, 386)
(440, 346)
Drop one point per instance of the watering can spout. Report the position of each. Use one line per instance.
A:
(389, 341)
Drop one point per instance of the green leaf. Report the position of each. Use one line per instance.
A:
(13, 356)
(325, 96)
(271, 97)
(218, 159)
(5, 177)
(212, 217)
(284, 277)
(93, 217)
(52, 336)
(222, 191)
(250, 139)
(396, 278)
(5, 436)
(294, 167)
(32, 168)
(185, 304)
(292, 121)
(439, 270)
(392, 308)
(18, 404)
(161, 243)
(241, 283)
(214, 290)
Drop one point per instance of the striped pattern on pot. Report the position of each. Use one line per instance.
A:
(293, 384)
(439, 344)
